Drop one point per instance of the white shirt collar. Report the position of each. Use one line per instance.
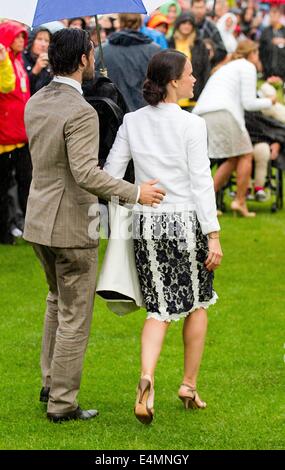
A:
(68, 81)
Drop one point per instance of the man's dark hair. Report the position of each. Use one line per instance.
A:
(66, 49)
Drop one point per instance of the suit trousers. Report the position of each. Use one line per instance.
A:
(71, 277)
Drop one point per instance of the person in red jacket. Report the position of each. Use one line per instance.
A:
(14, 151)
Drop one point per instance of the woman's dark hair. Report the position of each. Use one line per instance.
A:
(184, 18)
(66, 49)
(83, 22)
(34, 34)
(163, 67)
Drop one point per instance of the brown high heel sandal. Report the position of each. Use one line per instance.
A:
(144, 403)
(190, 398)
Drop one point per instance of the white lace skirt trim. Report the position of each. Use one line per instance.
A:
(178, 316)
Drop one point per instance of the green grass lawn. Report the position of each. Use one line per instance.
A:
(242, 374)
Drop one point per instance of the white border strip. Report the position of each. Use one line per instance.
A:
(23, 11)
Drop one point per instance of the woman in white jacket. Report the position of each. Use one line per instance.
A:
(177, 244)
(230, 91)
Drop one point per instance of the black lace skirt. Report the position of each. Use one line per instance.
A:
(170, 251)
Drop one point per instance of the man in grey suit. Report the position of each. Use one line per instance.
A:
(63, 134)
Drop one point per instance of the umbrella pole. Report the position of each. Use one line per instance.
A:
(103, 69)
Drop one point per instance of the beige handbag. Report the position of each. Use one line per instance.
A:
(118, 282)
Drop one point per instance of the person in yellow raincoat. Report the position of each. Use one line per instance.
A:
(7, 76)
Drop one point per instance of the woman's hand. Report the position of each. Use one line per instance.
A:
(215, 254)
(41, 63)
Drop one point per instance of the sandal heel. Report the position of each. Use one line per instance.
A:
(142, 412)
(189, 403)
(185, 402)
(189, 400)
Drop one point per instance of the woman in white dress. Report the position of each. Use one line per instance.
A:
(177, 245)
(227, 94)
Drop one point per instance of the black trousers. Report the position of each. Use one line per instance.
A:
(20, 161)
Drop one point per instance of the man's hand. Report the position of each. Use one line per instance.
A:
(215, 254)
(149, 194)
(2, 53)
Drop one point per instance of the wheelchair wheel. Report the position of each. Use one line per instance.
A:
(279, 189)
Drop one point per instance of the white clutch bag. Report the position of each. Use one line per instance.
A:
(118, 282)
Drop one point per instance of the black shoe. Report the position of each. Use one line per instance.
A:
(76, 414)
(44, 394)
(7, 239)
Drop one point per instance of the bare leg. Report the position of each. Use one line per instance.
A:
(224, 172)
(194, 334)
(153, 335)
(244, 167)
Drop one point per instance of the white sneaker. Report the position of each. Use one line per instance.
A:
(16, 232)
(249, 197)
(260, 195)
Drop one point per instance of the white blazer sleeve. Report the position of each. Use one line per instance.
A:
(248, 89)
(201, 181)
(120, 154)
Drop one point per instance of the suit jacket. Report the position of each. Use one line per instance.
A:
(63, 132)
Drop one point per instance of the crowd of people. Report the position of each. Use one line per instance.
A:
(229, 48)
(189, 76)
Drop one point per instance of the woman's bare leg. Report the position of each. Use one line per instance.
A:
(152, 338)
(224, 172)
(244, 168)
(194, 334)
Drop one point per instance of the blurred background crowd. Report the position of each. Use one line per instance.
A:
(210, 35)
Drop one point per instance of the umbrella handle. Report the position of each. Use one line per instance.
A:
(103, 69)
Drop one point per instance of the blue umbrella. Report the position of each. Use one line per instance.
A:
(37, 12)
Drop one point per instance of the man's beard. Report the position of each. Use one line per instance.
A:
(88, 73)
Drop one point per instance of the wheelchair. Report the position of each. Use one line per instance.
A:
(274, 184)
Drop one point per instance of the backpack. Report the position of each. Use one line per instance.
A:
(103, 95)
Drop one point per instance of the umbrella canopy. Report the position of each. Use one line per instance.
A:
(36, 12)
